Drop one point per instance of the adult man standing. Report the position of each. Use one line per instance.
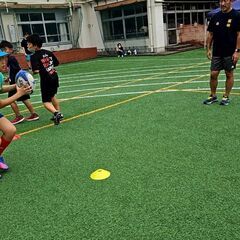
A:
(223, 49)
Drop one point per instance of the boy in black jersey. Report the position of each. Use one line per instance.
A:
(43, 62)
(223, 47)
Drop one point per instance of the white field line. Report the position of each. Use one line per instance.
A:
(135, 69)
(134, 59)
(106, 82)
(129, 75)
(127, 86)
(144, 84)
(122, 73)
(131, 93)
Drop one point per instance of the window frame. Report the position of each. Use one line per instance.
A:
(45, 36)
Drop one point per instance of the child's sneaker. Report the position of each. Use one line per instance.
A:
(53, 117)
(211, 99)
(17, 120)
(3, 165)
(225, 101)
(33, 117)
(57, 118)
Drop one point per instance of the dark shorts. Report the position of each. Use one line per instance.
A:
(48, 94)
(49, 88)
(23, 98)
(222, 63)
(1, 115)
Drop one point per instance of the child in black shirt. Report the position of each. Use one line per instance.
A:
(43, 62)
(14, 68)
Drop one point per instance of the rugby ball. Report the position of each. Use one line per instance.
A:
(24, 78)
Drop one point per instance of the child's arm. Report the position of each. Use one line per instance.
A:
(8, 88)
(20, 92)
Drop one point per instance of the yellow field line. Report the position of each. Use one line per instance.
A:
(176, 70)
(112, 105)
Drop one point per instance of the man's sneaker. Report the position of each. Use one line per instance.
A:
(33, 117)
(211, 99)
(3, 165)
(225, 101)
(17, 120)
(57, 118)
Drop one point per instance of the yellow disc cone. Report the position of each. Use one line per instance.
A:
(100, 174)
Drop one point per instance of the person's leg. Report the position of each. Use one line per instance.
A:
(214, 82)
(29, 106)
(49, 106)
(34, 116)
(18, 117)
(57, 116)
(229, 82)
(55, 103)
(15, 109)
(9, 131)
(216, 67)
(229, 66)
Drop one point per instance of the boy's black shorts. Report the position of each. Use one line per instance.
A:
(48, 94)
(23, 98)
(49, 88)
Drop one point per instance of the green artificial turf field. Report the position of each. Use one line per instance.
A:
(174, 162)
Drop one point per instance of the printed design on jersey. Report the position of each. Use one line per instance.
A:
(47, 62)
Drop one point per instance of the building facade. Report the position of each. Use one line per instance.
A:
(147, 25)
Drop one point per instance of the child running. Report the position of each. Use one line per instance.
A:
(43, 62)
(14, 68)
(6, 127)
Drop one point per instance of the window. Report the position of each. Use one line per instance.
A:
(49, 16)
(142, 26)
(108, 30)
(171, 21)
(35, 16)
(194, 18)
(187, 19)
(44, 24)
(128, 10)
(118, 29)
(116, 13)
(130, 26)
(125, 22)
(180, 19)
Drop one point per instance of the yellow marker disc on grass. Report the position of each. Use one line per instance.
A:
(100, 174)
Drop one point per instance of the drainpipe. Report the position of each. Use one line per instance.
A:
(6, 6)
(150, 25)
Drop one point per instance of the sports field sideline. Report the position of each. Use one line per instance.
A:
(174, 162)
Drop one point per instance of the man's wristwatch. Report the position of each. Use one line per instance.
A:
(237, 50)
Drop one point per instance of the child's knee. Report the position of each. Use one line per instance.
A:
(11, 131)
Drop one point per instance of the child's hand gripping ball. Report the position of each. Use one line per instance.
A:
(24, 78)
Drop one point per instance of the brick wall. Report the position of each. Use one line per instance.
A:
(192, 33)
(65, 56)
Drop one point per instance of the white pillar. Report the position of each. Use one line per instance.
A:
(157, 26)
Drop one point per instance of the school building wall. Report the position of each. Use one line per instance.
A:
(65, 56)
(86, 29)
